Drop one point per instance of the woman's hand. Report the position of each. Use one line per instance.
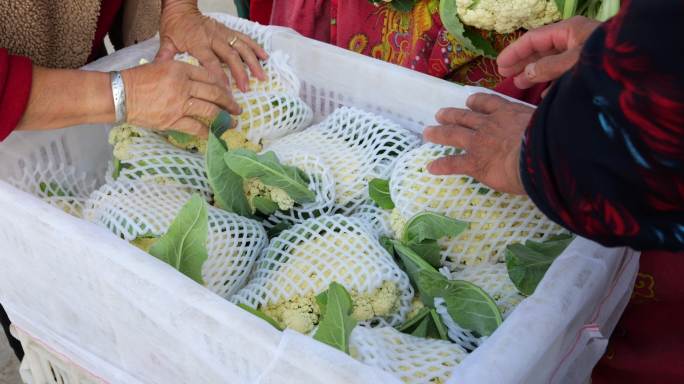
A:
(546, 53)
(184, 29)
(490, 133)
(172, 95)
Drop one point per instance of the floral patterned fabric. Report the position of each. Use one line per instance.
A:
(415, 40)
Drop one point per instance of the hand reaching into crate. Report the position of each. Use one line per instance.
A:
(490, 133)
(184, 29)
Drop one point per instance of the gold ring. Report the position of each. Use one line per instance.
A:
(233, 41)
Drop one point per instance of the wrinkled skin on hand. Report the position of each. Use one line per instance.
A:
(183, 28)
(175, 96)
(545, 54)
(490, 133)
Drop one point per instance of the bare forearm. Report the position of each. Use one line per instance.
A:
(174, 4)
(62, 98)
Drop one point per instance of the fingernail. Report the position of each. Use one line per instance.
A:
(531, 70)
(221, 122)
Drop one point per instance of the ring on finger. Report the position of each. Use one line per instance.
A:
(233, 41)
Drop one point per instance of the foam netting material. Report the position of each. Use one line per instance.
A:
(280, 76)
(59, 185)
(305, 259)
(267, 116)
(270, 109)
(133, 209)
(151, 158)
(357, 146)
(414, 360)
(496, 219)
(321, 182)
(458, 335)
(378, 219)
(493, 279)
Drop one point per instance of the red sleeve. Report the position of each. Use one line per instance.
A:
(260, 11)
(15, 87)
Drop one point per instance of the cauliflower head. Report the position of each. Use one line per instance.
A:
(256, 188)
(236, 139)
(303, 261)
(121, 137)
(191, 143)
(505, 16)
(302, 314)
(307, 269)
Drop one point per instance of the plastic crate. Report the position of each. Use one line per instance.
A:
(88, 307)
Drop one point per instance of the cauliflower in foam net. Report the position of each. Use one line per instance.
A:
(302, 262)
(142, 212)
(505, 16)
(414, 360)
(495, 219)
(270, 109)
(380, 302)
(140, 154)
(256, 188)
(357, 146)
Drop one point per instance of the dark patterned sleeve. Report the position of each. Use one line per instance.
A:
(604, 153)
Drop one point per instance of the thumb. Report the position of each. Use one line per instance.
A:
(167, 50)
(547, 68)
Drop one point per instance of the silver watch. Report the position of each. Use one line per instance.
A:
(119, 95)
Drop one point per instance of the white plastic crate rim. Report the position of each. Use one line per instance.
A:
(125, 317)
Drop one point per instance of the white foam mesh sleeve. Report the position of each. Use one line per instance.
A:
(267, 116)
(358, 146)
(59, 185)
(415, 360)
(378, 219)
(272, 108)
(458, 335)
(136, 209)
(306, 258)
(151, 158)
(496, 219)
(321, 182)
(493, 279)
